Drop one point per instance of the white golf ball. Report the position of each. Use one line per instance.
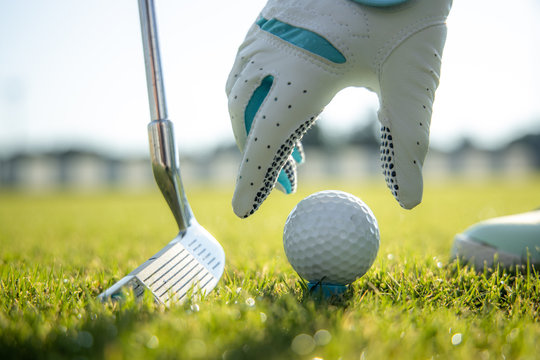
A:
(331, 237)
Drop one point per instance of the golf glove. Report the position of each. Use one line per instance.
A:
(300, 53)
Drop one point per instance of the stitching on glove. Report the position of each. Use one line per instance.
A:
(247, 86)
(384, 51)
(302, 38)
(292, 50)
(315, 19)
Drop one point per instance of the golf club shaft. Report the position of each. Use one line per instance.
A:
(152, 60)
(165, 164)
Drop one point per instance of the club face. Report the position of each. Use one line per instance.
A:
(193, 263)
(196, 263)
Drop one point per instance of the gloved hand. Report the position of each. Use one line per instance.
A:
(300, 53)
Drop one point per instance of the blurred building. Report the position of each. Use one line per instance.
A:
(79, 169)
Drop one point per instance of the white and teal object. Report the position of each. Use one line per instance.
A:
(331, 238)
(506, 241)
(300, 53)
(326, 290)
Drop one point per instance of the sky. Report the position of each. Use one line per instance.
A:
(72, 74)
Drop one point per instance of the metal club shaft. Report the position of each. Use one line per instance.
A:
(152, 60)
(165, 164)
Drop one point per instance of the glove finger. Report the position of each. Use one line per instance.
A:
(236, 71)
(286, 180)
(245, 52)
(246, 97)
(286, 113)
(409, 78)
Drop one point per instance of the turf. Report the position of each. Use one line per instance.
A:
(60, 250)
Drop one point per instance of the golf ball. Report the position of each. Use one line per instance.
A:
(331, 237)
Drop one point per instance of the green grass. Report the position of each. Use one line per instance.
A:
(59, 251)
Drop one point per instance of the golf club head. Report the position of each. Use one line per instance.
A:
(193, 261)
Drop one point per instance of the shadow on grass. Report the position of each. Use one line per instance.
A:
(101, 326)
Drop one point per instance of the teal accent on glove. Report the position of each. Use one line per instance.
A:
(252, 107)
(380, 3)
(284, 181)
(297, 156)
(302, 38)
(256, 101)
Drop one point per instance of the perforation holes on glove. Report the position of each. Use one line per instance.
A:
(387, 159)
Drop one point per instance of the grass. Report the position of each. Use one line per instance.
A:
(58, 251)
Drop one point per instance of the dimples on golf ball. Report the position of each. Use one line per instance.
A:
(331, 237)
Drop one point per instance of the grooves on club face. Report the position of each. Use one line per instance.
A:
(194, 261)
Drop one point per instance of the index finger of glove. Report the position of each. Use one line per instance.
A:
(245, 53)
(286, 113)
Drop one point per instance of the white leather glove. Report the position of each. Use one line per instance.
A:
(300, 53)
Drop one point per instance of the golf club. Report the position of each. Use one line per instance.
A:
(193, 259)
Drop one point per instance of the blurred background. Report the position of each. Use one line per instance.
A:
(74, 108)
